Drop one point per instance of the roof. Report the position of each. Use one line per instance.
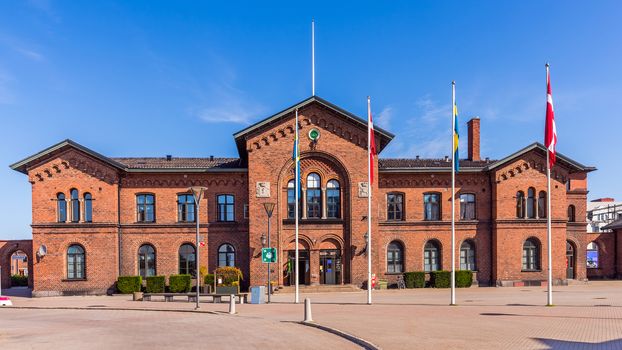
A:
(428, 164)
(141, 164)
(614, 225)
(572, 164)
(385, 136)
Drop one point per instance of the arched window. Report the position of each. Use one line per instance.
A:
(467, 206)
(431, 256)
(520, 204)
(395, 257)
(226, 205)
(531, 255)
(467, 256)
(146, 260)
(571, 213)
(187, 260)
(395, 206)
(432, 206)
(145, 208)
(542, 205)
(75, 205)
(314, 196)
(61, 207)
(226, 255)
(333, 199)
(185, 208)
(531, 203)
(75, 262)
(88, 207)
(592, 256)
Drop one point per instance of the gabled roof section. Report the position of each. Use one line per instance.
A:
(138, 164)
(23, 165)
(240, 136)
(572, 164)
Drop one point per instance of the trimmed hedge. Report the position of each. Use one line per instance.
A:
(179, 283)
(464, 278)
(129, 284)
(19, 281)
(209, 280)
(155, 284)
(414, 279)
(440, 279)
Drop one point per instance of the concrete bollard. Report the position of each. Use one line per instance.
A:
(232, 304)
(308, 317)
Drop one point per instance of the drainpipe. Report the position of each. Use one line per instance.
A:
(119, 224)
(490, 226)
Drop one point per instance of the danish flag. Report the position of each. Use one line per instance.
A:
(550, 132)
(372, 144)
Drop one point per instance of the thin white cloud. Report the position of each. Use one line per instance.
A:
(31, 54)
(383, 119)
(235, 110)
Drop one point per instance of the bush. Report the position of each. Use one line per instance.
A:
(179, 283)
(156, 284)
(19, 281)
(414, 279)
(464, 278)
(440, 279)
(209, 280)
(229, 275)
(129, 284)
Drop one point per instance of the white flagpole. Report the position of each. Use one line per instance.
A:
(312, 57)
(549, 293)
(297, 190)
(369, 187)
(453, 194)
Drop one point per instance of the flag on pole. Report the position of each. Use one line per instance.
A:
(296, 159)
(372, 146)
(550, 132)
(456, 139)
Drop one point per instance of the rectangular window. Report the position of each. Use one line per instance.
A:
(245, 211)
(314, 203)
(432, 202)
(145, 208)
(467, 206)
(395, 206)
(226, 208)
(185, 208)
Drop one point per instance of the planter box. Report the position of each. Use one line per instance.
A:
(228, 290)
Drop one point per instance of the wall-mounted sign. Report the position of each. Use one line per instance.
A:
(363, 189)
(314, 134)
(263, 189)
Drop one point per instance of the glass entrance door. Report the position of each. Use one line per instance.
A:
(303, 268)
(330, 266)
(569, 260)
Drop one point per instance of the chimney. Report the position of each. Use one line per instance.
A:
(169, 157)
(211, 158)
(474, 139)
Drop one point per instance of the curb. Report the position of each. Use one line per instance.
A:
(109, 309)
(356, 340)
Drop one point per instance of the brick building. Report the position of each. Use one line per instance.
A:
(100, 217)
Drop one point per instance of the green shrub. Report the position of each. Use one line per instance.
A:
(440, 279)
(19, 281)
(179, 283)
(155, 284)
(229, 275)
(209, 280)
(129, 284)
(414, 279)
(464, 278)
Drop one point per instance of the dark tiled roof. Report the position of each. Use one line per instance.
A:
(401, 163)
(179, 163)
(614, 225)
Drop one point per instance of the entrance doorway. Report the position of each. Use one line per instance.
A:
(570, 260)
(330, 266)
(303, 268)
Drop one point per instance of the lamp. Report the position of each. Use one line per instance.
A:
(269, 207)
(197, 194)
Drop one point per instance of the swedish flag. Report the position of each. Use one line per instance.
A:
(456, 139)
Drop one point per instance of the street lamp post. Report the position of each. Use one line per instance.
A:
(269, 207)
(197, 194)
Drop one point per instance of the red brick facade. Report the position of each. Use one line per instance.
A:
(112, 240)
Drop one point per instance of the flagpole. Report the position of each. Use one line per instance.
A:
(296, 209)
(312, 57)
(369, 187)
(549, 293)
(453, 193)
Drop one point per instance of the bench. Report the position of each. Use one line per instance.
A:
(216, 298)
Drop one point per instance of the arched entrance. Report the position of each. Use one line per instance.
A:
(19, 269)
(570, 260)
(331, 267)
(289, 266)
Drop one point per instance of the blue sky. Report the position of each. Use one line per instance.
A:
(150, 78)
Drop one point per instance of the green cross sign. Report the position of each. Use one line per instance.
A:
(268, 255)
